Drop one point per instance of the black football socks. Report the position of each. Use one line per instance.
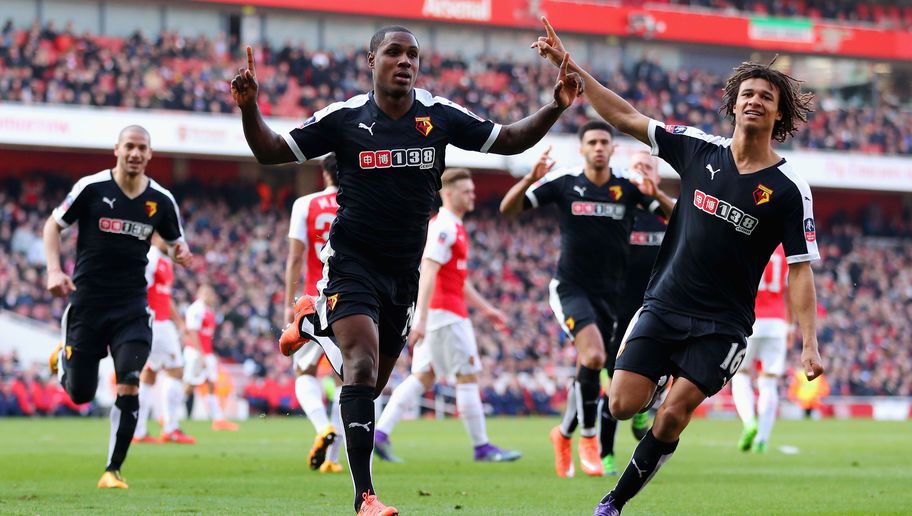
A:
(647, 458)
(356, 403)
(124, 415)
(587, 392)
(607, 428)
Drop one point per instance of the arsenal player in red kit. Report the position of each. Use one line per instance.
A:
(308, 230)
(767, 345)
(443, 336)
(166, 355)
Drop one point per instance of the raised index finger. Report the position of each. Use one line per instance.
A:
(564, 64)
(250, 59)
(548, 28)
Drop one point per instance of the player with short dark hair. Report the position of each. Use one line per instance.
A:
(390, 145)
(595, 210)
(740, 200)
(116, 211)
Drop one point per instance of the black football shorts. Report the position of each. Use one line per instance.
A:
(661, 342)
(126, 329)
(575, 308)
(353, 287)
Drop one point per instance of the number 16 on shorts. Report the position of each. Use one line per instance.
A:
(733, 360)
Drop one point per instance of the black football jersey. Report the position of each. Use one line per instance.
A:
(645, 240)
(114, 233)
(724, 228)
(595, 223)
(389, 171)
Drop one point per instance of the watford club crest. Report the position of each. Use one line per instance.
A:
(151, 208)
(570, 323)
(331, 301)
(424, 125)
(616, 193)
(762, 195)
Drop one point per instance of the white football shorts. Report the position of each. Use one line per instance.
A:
(166, 347)
(448, 350)
(768, 344)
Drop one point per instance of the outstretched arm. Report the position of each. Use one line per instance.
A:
(609, 105)
(268, 147)
(512, 203)
(521, 135)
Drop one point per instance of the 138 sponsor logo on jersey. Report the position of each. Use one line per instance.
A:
(125, 227)
(743, 222)
(598, 209)
(398, 158)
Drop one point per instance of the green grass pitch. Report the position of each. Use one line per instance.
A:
(841, 467)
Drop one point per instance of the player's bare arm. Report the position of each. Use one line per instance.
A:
(477, 301)
(268, 147)
(426, 284)
(609, 105)
(59, 284)
(181, 254)
(803, 299)
(512, 203)
(293, 266)
(521, 135)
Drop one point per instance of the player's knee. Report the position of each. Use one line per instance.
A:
(594, 359)
(361, 370)
(124, 389)
(621, 408)
(427, 379)
(670, 421)
(81, 392)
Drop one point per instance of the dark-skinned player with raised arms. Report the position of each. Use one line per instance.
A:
(739, 200)
(390, 145)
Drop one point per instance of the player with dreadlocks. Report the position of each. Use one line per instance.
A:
(739, 200)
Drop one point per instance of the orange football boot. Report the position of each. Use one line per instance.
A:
(291, 339)
(563, 458)
(590, 459)
(372, 506)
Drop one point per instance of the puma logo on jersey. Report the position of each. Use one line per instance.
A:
(367, 128)
(743, 222)
(109, 202)
(581, 190)
(712, 173)
(365, 426)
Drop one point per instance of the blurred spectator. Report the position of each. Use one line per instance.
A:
(170, 71)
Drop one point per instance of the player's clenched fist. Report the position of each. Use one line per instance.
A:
(810, 361)
(244, 85)
(59, 284)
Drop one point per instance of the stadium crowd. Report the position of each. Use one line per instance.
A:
(864, 288)
(887, 15)
(171, 71)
